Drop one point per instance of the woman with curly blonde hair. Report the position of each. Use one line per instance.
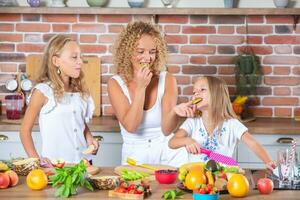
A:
(63, 104)
(143, 94)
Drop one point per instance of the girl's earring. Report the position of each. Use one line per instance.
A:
(58, 71)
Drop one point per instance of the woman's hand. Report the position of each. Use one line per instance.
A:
(185, 109)
(46, 162)
(192, 146)
(95, 143)
(271, 165)
(143, 77)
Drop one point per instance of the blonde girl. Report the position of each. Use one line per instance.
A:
(218, 129)
(63, 104)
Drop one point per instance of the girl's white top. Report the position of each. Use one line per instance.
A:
(222, 141)
(62, 124)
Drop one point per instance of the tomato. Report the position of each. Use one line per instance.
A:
(194, 178)
(238, 185)
(265, 185)
(124, 185)
(131, 187)
(37, 179)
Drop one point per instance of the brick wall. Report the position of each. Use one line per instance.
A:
(197, 45)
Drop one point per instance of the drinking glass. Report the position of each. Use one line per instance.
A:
(286, 167)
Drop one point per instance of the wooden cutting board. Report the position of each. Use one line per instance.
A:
(119, 169)
(91, 69)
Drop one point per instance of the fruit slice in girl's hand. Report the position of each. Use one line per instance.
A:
(197, 100)
(89, 150)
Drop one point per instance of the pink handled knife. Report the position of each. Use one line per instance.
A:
(218, 157)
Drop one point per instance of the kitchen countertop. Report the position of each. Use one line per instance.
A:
(110, 124)
(22, 191)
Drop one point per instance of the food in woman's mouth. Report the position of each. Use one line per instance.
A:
(142, 65)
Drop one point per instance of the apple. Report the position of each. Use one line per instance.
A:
(59, 163)
(4, 180)
(13, 177)
(265, 185)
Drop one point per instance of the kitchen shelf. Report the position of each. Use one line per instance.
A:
(152, 11)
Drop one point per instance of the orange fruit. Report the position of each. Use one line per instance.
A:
(198, 168)
(238, 108)
(194, 178)
(238, 185)
(37, 179)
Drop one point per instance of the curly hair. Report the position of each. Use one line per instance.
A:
(127, 43)
(48, 71)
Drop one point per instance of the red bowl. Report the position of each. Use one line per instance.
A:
(166, 176)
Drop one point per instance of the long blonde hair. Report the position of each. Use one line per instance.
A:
(221, 108)
(128, 41)
(48, 71)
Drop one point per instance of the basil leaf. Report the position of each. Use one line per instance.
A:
(173, 194)
(166, 195)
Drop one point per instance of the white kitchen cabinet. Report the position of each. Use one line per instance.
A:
(248, 159)
(110, 150)
(11, 146)
(109, 153)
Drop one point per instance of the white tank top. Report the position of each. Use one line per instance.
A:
(150, 127)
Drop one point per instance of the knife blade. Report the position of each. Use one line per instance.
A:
(219, 157)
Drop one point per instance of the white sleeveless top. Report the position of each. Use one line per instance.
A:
(150, 128)
(62, 125)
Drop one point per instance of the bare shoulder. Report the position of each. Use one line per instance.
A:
(113, 85)
(170, 82)
(37, 95)
(170, 78)
(37, 99)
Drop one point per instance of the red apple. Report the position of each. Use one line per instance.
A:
(4, 180)
(265, 185)
(13, 177)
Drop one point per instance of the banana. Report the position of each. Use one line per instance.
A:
(210, 177)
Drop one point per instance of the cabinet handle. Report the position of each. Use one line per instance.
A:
(284, 140)
(98, 138)
(3, 137)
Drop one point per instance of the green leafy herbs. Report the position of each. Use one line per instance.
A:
(130, 175)
(68, 179)
(172, 194)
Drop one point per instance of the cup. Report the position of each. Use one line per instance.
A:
(14, 104)
(286, 167)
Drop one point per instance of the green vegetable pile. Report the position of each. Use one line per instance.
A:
(172, 194)
(68, 179)
(129, 175)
